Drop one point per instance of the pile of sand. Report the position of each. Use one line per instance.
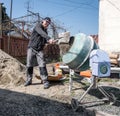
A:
(11, 70)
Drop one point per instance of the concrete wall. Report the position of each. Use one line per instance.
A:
(109, 25)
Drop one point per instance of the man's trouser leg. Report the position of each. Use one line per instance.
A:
(29, 76)
(44, 76)
(43, 73)
(43, 69)
(31, 59)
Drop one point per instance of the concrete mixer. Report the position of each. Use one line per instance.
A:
(85, 54)
(77, 56)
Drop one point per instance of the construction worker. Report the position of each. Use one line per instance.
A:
(35, 55)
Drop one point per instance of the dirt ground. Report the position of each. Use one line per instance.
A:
(17, 100)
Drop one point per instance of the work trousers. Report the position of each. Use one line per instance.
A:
(35, 58)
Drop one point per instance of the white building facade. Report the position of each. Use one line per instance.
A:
(109, 25)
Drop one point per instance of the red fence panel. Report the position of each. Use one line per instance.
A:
(17, 47)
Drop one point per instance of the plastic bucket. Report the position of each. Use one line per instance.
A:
(77, 58)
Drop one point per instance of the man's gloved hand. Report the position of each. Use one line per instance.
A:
(51, 41)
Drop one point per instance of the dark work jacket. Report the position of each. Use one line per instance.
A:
(38, 38)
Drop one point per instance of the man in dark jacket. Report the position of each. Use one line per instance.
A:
(35, 55)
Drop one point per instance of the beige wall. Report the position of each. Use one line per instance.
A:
(109, 25)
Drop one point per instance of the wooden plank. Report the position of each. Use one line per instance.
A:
(113, 56)
(114, 61)
(115, 69)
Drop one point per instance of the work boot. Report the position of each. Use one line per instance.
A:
(28, 82)
(46, 84)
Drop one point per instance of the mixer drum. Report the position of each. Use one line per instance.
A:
(77, 58)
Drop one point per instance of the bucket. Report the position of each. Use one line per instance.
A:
(77, 57)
